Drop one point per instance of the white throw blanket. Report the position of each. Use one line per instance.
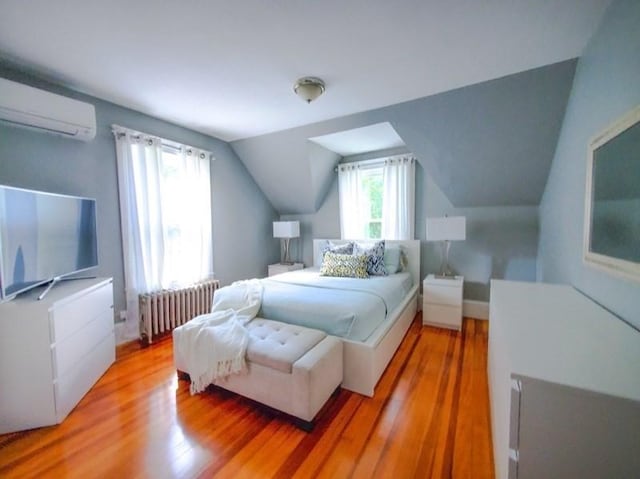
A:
(214, 345)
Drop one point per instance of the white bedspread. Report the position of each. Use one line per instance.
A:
(351, 308)
(214, 345)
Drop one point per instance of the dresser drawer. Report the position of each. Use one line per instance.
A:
(447, 295)
(74, 384)
(73, 315)
(71, 350)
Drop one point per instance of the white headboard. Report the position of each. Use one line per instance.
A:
(410, 247)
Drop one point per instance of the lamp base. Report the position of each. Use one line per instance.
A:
(286, 260)
(445, 271)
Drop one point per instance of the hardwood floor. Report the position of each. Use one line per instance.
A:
(429, 418)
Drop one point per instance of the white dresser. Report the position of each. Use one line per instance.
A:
(442, 301)
(564, 384)
(278, 268)
(53, 351)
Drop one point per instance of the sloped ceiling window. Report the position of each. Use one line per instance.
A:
(377, 199)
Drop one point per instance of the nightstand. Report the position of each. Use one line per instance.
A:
(442, 301)
(283, 268)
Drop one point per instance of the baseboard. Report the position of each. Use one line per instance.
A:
(123, 335)
(475, 309)
(119, 329)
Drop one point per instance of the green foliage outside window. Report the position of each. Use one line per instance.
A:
(372, 186)
(374, 229)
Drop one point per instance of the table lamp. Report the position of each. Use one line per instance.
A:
(446, 229)
(286, 230)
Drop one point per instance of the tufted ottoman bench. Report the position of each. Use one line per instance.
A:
(290, 368)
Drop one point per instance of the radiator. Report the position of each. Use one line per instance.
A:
(162, 311)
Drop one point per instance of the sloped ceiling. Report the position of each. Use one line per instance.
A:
(488, 144)
(227, 68)
(361, 140)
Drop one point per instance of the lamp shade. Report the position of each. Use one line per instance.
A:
(447, 228)
(286, 229)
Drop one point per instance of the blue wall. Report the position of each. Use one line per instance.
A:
(606, 86)
(483, 152)
(242, 236)
(501, 240)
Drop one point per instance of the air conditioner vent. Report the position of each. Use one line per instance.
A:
(22, 105)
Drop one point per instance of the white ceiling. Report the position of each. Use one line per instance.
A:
(227, 68)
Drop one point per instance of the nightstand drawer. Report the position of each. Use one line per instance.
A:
(443, 316)
(442, 301)
(448, 295)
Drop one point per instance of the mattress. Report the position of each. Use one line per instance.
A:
(351, 308)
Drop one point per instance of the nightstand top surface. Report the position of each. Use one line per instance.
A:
(449, 280)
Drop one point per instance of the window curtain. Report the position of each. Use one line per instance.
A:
(398, 198)
(194, 261)
(150, 199)
(351, 217)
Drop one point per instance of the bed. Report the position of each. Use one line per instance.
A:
(371, 316)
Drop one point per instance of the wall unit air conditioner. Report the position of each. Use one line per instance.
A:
(30, 107)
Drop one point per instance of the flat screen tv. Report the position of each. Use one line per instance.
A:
(43, 237)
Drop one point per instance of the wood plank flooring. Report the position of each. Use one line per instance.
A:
(429, 419)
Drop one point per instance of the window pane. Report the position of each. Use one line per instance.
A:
(374, 230)
(371, 206)
(375, 195)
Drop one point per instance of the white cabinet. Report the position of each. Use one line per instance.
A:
(442, 301)
(53, 351)
(283, 268)
(564, 384)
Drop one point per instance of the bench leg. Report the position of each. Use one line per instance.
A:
(306, 426)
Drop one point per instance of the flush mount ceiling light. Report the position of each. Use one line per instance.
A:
(309, 88)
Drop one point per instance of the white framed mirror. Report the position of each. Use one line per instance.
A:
(612, 206)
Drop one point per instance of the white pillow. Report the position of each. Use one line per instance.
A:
(392, 259)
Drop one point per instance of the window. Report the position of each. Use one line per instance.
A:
(371, 187)
(377, 198)
(165, 209)
(181, 221)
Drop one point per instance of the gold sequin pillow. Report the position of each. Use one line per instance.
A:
(344, 265)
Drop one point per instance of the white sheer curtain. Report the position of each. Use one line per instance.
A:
(194, 260)
(398, 198)
(351, 216)
(165, 210)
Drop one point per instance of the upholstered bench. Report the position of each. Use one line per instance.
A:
(290, 368)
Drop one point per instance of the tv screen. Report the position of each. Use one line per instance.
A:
(43, 236)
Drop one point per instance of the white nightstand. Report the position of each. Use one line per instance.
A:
(442, 301)
(283, 268)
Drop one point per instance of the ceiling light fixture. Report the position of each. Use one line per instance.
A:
(309, 88)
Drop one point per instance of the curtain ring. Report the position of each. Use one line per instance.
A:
(149, 142)
(202, 156)
(189, 152)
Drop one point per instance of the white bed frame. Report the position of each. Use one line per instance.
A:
(364, 362)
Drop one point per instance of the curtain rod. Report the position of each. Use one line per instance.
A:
(375, 161)
(120, 131)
